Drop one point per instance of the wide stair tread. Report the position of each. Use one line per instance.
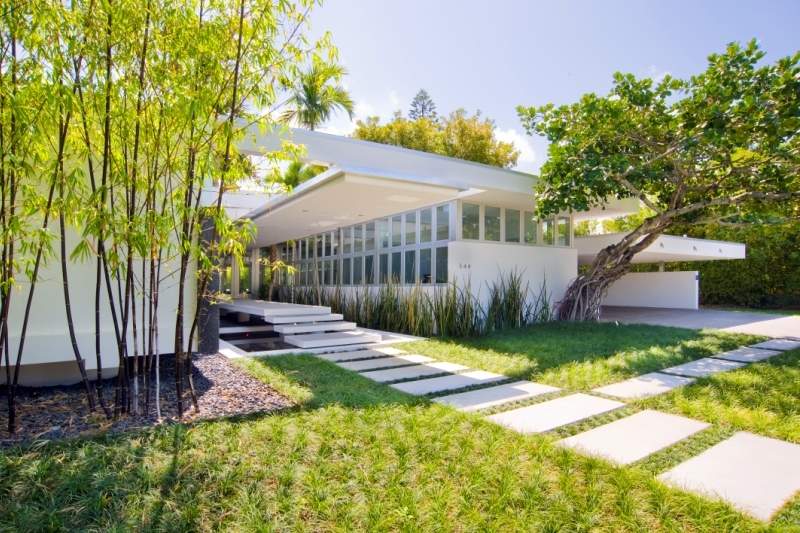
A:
(338, 338)
(298, 319)
(314, 327)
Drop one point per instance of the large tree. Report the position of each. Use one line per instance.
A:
(690, 150)
(468, 137)
(422, 106)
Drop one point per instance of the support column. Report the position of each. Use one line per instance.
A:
(208, 312)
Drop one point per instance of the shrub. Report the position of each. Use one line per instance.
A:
(448, 311)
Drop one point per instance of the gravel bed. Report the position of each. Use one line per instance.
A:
(52, 413)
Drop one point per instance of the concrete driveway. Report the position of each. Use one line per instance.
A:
(769, 325)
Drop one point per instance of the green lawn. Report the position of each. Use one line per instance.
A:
(355, 455)
(581, 356)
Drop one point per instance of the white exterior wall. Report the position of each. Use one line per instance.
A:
(671, 290)
(48, 357)
(481, 263)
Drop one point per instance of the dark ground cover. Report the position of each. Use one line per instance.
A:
(223, 389)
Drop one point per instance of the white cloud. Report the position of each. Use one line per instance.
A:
(383, 107)
(527, 155)
(656, 74)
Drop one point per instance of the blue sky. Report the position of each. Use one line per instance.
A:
(494, 55)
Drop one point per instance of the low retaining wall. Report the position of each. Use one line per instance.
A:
(670, 290)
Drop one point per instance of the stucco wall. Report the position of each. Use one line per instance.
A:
(481, 263)
(673, 290)
(47, 341)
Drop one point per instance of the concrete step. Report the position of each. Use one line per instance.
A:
(339, 338)
(314, 327)
(299, 319)
(226, 330)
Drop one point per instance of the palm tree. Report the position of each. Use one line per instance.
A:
(298, 172)
(315, 98)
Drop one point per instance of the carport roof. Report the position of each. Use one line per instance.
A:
(665, 249)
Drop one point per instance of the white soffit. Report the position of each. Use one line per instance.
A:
(665, 249)
(336, 199)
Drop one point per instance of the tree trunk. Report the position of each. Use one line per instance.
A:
(585, 294)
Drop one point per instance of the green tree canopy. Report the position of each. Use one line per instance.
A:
(315, 96)
(422, 106)
(459, 135)
(723, 140)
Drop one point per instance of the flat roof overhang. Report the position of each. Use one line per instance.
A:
(665, 249)
(338, 198)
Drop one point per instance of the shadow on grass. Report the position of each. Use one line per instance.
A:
(65, 485)
(313, 383)
(547, 347)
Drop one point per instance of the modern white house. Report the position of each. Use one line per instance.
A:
(381, 214)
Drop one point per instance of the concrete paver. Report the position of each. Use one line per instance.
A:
(551, 414)
(644, 386)
(493, 396)
(753, 473)
(632, 438)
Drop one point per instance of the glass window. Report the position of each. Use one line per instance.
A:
(328, 242)
(303, 273)
(319, 245)
(563, 231)
(425, 225)
(530, 228)
(347, 240)
(244, 276)
(411, 267)
(443, 222)
(369, 240)
(411, 228)
(547, 232)
(369, 269)
(334, 237)
(327, 278)
(470, 221)
(512, 225)
(383, 232)
(320, 279)
(396, 222)
(335, 275)
(383, 270)
(441, 264)
(225, 275)
(425, 265)
(358, 238)
(491, 223)
(265, 270)
(396, 267)
(346, 278)
(358, 272)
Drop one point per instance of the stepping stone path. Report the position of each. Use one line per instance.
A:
(549, 415)
(476, 400)
(359, 354)
(644, 386)
(703, 367)
(747, 355)
(778, 344)
(445, 383)
(412, 372)
(755, 474)
(384, 362)
(634, 437)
